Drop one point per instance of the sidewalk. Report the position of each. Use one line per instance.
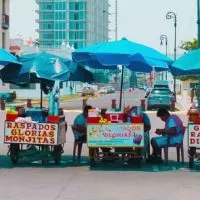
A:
(183, 103)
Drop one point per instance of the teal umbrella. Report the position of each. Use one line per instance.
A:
(40, 68)
(77, 73)
(188, 64)
(9, 65)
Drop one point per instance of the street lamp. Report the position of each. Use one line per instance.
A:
(164, 37)
(172, 15)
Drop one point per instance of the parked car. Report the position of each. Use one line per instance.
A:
(159, 97)
(147, 92)
(110, 89)
(161, 84)
(103, 90)
(88, 91)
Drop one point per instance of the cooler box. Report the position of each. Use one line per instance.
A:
(115, 116)
(136, 119)
(36, 114)
(93, 120)
(11, 117)
(53, 119)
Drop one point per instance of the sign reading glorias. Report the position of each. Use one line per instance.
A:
(115, 135)
(30, 133)
(194, 135)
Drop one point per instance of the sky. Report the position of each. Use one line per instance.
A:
(142, 21)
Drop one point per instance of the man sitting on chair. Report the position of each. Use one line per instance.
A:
(79, 129)
(173, 131)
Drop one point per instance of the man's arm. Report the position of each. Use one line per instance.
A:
(171, 131)
(147, 128)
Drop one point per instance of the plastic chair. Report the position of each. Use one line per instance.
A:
(179, 150)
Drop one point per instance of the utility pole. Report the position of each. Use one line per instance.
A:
(198, 21)
(116, 22)
(198, 35)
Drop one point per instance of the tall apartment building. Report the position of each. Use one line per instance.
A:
(4, 21)
(79, 22)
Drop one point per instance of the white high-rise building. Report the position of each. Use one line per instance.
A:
(78, 22)
(4, 21)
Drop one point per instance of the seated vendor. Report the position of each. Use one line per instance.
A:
(79, 128)
(173, 128)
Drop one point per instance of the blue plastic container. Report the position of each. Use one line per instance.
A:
(36, 114)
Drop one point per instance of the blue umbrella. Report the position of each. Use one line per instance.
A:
(188, 64)
(118, 52)
(9, 66)
(136, 57)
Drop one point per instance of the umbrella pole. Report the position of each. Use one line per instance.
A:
(41, 95)
(122, 80)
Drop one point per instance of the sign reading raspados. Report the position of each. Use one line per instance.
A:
(30, 133)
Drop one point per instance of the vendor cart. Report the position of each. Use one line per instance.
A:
(35, 141)
(125, 139)
(193, 143)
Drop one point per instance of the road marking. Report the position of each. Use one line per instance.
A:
(76, 111)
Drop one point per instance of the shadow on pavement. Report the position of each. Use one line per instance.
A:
(67, 161)
(172, 166)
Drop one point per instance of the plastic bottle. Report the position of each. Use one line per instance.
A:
(51, 103)
(129, 119)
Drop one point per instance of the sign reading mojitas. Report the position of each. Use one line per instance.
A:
(30, 133)
(115, 135)
(194, 135)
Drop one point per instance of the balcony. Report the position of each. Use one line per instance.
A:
(5, 21)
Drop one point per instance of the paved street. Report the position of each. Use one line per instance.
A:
(71, 181)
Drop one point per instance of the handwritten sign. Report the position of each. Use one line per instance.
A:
(194, 135)
(115, 135)
(30, 133)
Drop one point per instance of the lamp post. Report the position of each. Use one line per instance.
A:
(172, 15)
(164, 37)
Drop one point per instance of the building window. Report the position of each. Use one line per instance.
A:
(4, 7)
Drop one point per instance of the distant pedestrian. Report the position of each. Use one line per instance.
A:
(71, 90)
(193, 93)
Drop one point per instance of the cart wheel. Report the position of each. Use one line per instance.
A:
(191, 152)
(14, 150)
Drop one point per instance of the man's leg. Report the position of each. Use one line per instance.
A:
(156, 148)
(79, 150)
